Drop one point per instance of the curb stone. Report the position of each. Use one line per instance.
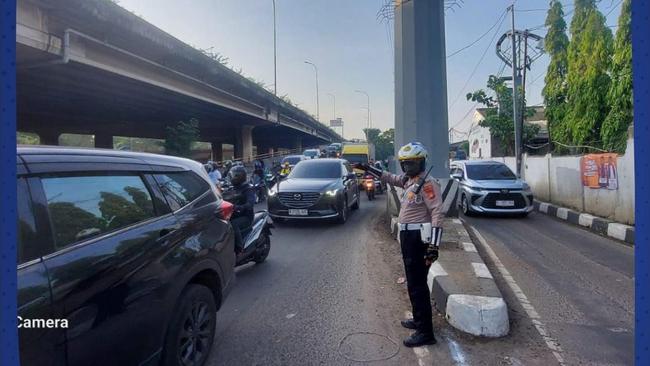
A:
(595, 224)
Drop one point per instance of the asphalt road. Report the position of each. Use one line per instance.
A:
(581, 284)
(313, 301)
(328, 295)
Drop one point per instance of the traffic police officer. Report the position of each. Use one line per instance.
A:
(420, 233)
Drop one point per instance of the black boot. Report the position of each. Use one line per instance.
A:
(408, 324)
(418, 339)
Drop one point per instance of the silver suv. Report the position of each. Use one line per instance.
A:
(490, 187)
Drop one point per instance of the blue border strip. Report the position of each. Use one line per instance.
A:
(8, 330)
(641, 76)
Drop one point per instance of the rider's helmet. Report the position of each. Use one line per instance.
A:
(227, 164)
(208, 167)
(412, 158)
(237, 175)
(286, 165)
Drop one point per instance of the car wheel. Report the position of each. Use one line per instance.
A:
(357, 202)
(465, 206)
(343, 213)
(192, 329)
(263, 249)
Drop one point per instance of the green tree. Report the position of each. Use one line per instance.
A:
(180, 137)
(588, 81)
(385, 145)
(614, 129)
(555, 88)
(498, 117)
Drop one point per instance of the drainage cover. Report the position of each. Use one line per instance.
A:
(367, 347)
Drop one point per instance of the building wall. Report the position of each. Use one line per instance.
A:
(480, 140)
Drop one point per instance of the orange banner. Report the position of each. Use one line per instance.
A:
(599, 171)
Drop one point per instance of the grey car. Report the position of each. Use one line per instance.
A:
(490, 187)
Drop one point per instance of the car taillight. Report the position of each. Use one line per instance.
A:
(226, 210)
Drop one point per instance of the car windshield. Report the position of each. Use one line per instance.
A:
(316, 170)
(310, 153)
(356, 158)
(292, 160)
(489, 172)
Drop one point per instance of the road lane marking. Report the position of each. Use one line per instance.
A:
(456, 352)
(551, 343)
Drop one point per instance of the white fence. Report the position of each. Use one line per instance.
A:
(557, 179)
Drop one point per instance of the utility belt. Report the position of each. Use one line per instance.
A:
(425, 230)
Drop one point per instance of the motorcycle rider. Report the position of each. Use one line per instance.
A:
(243, 214)
(226, 167)
(420, 234)
(286, 169)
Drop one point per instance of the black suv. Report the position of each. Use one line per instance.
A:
(315, 189)
(134, 251)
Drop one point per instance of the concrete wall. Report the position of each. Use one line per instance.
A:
(556, 179)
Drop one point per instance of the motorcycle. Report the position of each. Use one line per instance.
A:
(259, 185)
(369, 186)
(256, 238)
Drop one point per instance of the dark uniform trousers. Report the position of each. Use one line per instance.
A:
(413, 252)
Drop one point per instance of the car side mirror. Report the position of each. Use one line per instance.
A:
(457, 176)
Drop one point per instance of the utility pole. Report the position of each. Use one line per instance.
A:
(275, 55)
(515, 98)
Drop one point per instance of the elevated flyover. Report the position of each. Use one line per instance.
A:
(92, 67)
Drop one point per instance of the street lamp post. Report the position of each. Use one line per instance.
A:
(367, 96)
(317, 101)
(275, 59)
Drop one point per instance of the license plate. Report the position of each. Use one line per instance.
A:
(298, 212)
(505, 203)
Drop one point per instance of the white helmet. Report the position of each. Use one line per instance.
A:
(412, 150)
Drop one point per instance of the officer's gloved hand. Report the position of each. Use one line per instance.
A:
(431, 254)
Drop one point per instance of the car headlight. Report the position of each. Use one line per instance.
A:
(526, 187)
(331, 192)
(272, 192)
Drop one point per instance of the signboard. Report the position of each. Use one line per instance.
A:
(599, 171)
(336, 122)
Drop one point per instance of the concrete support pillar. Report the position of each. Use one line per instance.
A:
(297, 144)
(104, 141)
(421, 107)
(237, 146)
(247, 142)
(217, 151)
(49, 138)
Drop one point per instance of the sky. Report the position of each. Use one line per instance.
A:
(352, 49)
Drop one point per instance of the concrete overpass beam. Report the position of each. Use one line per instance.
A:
(104, 141)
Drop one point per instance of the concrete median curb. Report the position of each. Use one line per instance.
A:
(593, 223)
(462, 287)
